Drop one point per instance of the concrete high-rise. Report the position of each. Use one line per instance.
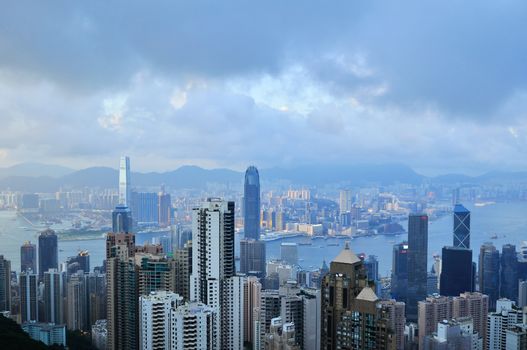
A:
(394, 311)
(522, 293)
(213, 258)
(193, 327)
(79, 262)
(251, 299)
(154, 273)
(252, 257)
(5, 284)
(47, 251)
(417, 263)
(164, 209)
(125, 186)
(182, 270)
(251, 204)
(489, 272)
(77, 306)
(53, 297)
(461, 226)
(347, 302)
(28, 282)
(155, 319)
(345, 201)
(456, 271)
(400, 271)
(509, 272)
(504, 318)
(28, 257)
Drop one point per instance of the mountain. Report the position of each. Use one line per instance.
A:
(35, 170)
(13, 337)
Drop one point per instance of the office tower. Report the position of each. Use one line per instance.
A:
(125, 186)
(212, 256)
(96, 290)
(312, 312)
(122, 220)
(154, 326)
(49, 334)
(145, 207)
(345, 201)
(475, 305)
(489, 272)
(456, 271)
(251, 301)
(5, 284)
(417, 263)
(28, 282)
(281, 336)
(522, 293)
(47, 251)
(461, 226)
(154, 273)
(99, 334)
(400, 271)
(79, 262)
(166, 243)
(164, 207)
(454, 335)
(193, 327)
(289, 253)
(53, 297)
(498, 322)
(183, 270)
(28, 257)
(251, 204)
(372, 271)
(77, 306)
(394, 311)
(122, 292)
(509, 272)
(270, 307)
(252, 257)
(347, 302)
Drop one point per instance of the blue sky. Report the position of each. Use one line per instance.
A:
(440, 86)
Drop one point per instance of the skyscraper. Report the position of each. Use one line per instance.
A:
(5, 284)
(28, 257)
(164, 209)
(78, 311)
(122, 219)
(252, 289)
(193, 326)
(345, 201)
(212, 256)
(28, 296)
(489, 272)
(351, 315)
(251, 203)
(125, 189)
(252, 257)
(400, 271)
(79, 262)
(456, 271)
(509, 272)
(47, 252)
(461, 226)
(182, 270)
(417, 263)
(53, 297)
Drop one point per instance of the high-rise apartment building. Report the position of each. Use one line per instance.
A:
(417, 263)
(5, 284)
(79, 262)
(155, 319)
(400, 271)
(77, 306)
(125, 186)
(281, 336)
(213, 258)
(47, 251)
(489, 272)
(509, 272)
(232, 313)
(504, 318)
(395, 313)
(345, 201)
(164, 207)
(455, 334)
(251, 301)
(182, 270)
(522, 293)
(351, 316)
(456, 271)
(251, 204)
(154, 273)
(28, 282)
(193, 327)
(252, 257)
(96, 290)
(28, 257)
(461, 227)
(53, 297)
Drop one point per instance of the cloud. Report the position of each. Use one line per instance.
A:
(435, 85)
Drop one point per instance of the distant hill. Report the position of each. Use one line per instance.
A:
(14, 338)
(35, 170)
(193, 177)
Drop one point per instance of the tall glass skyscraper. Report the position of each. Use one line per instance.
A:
(509, 272)
(122, 220)
(461, 226)
(28, 257)
(417, 263)
(251, 203)
(47, 252)
(456, 271)
(489, 272)
(400, 271)
(125, 192)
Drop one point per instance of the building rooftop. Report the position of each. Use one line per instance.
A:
(367, 294)
(346, 256)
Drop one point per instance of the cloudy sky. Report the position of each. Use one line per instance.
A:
(438, 85)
